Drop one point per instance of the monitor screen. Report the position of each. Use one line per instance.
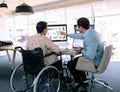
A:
(76, 43)
(76, 28)
(54, 32)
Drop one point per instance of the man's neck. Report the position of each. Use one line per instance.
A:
(41, 33)
(84, 30)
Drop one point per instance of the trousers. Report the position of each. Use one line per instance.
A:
(79, 76)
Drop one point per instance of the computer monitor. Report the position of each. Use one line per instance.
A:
(76, 43)
(76, 28)
(54, 32)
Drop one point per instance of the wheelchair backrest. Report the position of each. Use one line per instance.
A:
(33, 60)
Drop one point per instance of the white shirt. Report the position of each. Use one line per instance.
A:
(47, 46)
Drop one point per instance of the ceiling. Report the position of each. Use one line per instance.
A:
(40, 5)
(13, 3)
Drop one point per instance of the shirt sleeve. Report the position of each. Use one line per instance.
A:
(27, 44)
(76, 36)
(90, 48)
(51, 46)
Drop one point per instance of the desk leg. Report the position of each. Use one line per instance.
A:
(13, 61)
(8, 55)
(72, 57)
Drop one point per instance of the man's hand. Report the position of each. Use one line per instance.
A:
(63, 33)
(79, 48)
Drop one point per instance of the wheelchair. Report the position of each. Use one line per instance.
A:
(33, 76)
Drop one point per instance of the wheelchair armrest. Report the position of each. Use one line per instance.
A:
(78, 55)
(18, 47)
(58, 54)
(51, 53)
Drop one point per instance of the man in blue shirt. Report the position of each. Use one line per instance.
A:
(92, 48)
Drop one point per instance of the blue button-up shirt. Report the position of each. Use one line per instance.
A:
(92, 44)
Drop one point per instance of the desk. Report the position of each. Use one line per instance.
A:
(7, 48)
(73, 54)
(70, 52)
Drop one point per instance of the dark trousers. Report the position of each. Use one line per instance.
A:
(79, 76)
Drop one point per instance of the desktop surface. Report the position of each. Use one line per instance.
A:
(62, 45)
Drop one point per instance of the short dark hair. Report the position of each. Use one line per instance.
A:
(84, 22)
(41, 26)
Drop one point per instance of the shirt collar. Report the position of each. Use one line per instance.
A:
(86, 33)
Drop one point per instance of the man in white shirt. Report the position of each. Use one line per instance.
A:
(40, 40)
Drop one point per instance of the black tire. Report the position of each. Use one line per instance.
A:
(18, 80)
(48, 80)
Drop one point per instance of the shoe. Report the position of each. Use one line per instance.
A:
(82, 88)
(63, 87)
(75, 88)
(79, 88)
(86, 84)
(69, 80)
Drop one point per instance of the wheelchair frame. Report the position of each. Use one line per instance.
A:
(25, 86)
(48, 78)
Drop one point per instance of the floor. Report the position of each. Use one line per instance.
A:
(111, 75)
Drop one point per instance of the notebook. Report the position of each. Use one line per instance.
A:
(76, 43)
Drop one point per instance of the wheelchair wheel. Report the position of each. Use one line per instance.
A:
(64, 87)
(48, 80)
(19, 81)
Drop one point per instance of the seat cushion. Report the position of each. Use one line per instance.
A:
(85, 64)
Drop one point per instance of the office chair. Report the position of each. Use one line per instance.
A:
(88, 66)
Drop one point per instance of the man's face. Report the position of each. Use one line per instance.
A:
(45, 31)
(80, 29)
